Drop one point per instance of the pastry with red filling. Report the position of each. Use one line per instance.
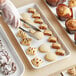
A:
(64, 12)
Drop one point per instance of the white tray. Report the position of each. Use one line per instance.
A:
(62, 23)
(36, 43)
(12, 52)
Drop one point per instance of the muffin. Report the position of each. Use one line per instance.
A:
(71, 25)
(54, 2)
(72, 3)
(64, 12)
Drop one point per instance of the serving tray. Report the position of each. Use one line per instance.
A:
(62, 23)
(36, 43)
(12, 52)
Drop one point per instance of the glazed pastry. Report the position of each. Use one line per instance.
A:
(36, 15)
(71, 25)
(47, 32)
(26, 41)
(50, 57)
(21, 34)
(43, 26)
(52, 39)
(44, 48)
(54, 2)
(37, 61)
(26, 26)
(39, 21)
(8, 68)
(31, 10)
(72, 3)
(31, 51)
(72, 71)
(32, 31)
(64, 12)
(26, 17)
(60, 52)
(56, 46)
(38, 35)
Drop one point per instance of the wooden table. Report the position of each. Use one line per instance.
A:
(50, 70)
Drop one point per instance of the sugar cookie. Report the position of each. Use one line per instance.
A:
(50, 56)
(44, 48)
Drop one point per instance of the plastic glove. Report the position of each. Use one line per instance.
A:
(10, 13)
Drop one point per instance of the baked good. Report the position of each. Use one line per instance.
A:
(8, 68)
(72, 71)
(72, 3)
(26, 41)
(39, 21)
(37, 61)
(47, 32)
(26, 26)
(21, 34)
(56, 46)
(38, 35)
(4, 58)
(52, 39)
(31, 51)
(60, 52)
(32, 31)
(54, 2)
(36, 15)
(43, 26)
(31, 10)
(26, 17)
(44, 48)
(64, 12)
(71, 25)
(50, 57)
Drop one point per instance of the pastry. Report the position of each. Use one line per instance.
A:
(8, 68)
(44, 48)
(32, 31)
(36, 15)
(50, 57)
(54, 2)
(39, 21)
(47, 32)
(21, 34)
(4, 58)
(38, 35)
(72, 3)
(37, 61)
(56, 46)
(31, 10)
(31, 51)
(71, 25)
(60, 52)
(72, 71)
(26, 17)
(43, 26)
(26, 26)
(52, 39)
(64, 12)
(26, 41)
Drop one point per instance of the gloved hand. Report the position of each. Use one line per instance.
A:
(10, 13)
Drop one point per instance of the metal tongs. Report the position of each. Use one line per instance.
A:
(32, 26)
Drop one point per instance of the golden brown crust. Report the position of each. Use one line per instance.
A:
(72, 3)
(56, 46)
(31, 10)
(52, 39)
(71, 24)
